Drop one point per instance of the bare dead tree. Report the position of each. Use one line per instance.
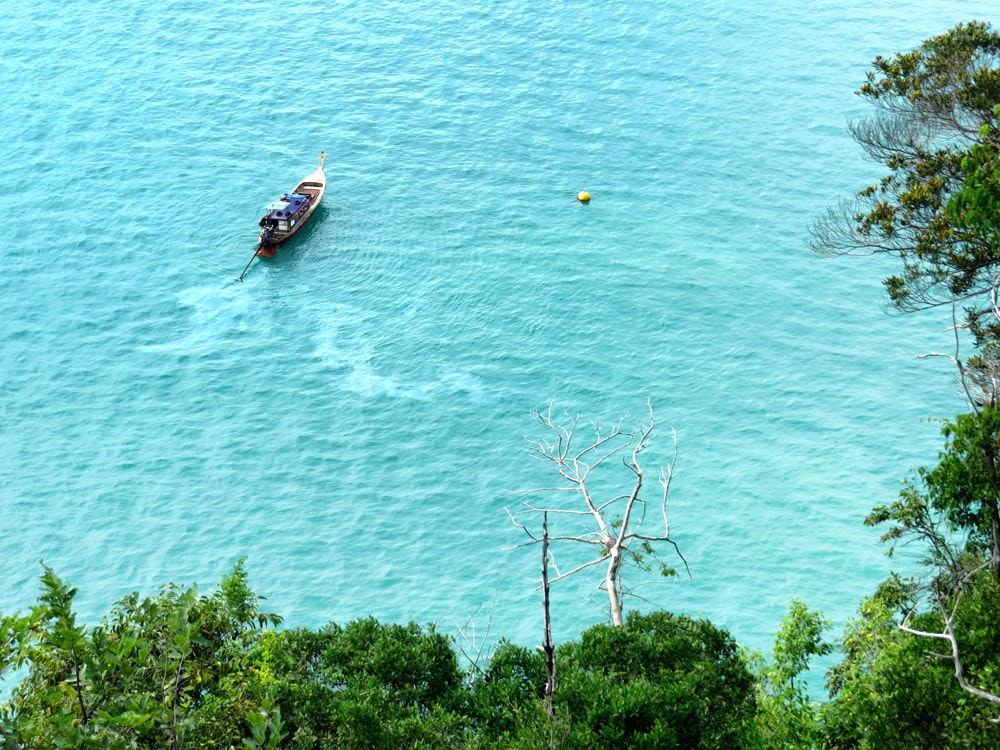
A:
(548, 647)
(613, 527)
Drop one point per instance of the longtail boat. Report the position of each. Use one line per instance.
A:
(291, 212)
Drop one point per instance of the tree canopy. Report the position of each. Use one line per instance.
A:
(187, 670)
(931, 105)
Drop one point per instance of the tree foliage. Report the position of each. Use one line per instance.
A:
(931, 105)
(963, 489)
(921, 665)
(364, 685)
(788, 717)
(660, 681)
(894, 690)
(186, 670)
(975, 207)
(167, 671)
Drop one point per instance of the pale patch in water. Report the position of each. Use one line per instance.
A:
(214, 313)
(356, 374)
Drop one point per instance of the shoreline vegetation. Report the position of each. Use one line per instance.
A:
(918, 667)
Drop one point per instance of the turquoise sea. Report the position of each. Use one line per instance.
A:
(353, 416)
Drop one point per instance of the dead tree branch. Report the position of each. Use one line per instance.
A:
(470, 637)
(548, 648)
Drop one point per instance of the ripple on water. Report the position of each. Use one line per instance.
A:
(352, 415)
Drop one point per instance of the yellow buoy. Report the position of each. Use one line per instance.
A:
(583, 196)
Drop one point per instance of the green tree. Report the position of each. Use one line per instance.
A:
(964, 488)
(660, 681)
(930, 107)
(364, 686)
(168, 671)
(922, 664)
(506, 699)
(976, 206)
(893, 691)
(788, 716)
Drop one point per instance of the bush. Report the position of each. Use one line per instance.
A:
(661, 681)
(365, 685)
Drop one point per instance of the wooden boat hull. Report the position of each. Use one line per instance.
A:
(272, 239)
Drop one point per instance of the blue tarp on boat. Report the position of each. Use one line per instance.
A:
(288, 205)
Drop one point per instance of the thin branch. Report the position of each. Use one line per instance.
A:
(948, 634)
(566, 511)
(543, 489)
(471, 622)
(595, 561)
(519, 524)
(580, 539)
(665, 478)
